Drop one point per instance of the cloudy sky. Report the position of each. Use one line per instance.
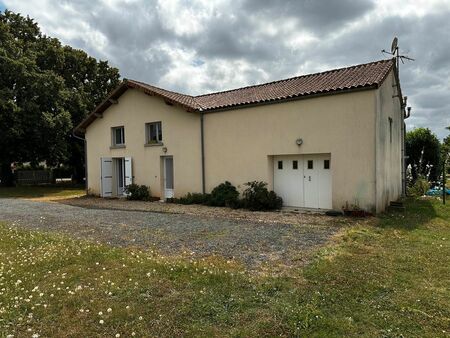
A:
(199, 46)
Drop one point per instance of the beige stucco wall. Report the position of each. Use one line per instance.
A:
(388, 153)
(181, 136)
(239, 143)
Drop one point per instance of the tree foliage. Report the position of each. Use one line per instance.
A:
(423, 149)
(446, 146)
(45, 89)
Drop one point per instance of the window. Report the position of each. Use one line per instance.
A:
(118, 136)
(310, 164)
(280, 165)
(326, 164)
(390, 129)
(153, 132)
(295, 165)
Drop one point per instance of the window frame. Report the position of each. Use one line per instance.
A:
(114, 136)
(159, 134)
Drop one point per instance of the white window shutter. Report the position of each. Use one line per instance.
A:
(128, 171)
(106, 176)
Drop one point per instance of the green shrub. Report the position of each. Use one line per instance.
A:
(224, 195)
(137, 192)
(257, 197)
(193, 198)
(419, 187)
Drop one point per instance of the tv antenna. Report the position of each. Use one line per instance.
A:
(395, 52)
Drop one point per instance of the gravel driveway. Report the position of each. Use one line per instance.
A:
(254, 244)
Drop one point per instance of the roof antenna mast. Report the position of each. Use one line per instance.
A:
(395, 52)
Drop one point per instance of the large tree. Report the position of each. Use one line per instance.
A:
(45, 89)
(423, 149)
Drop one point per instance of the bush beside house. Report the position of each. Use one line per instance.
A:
(256, 197)
(192, 198)
(138, 192)
(224, 195)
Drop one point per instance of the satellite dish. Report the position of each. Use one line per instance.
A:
(394, 45)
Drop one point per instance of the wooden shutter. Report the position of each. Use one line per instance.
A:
(128, 171)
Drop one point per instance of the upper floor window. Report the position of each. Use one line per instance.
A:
(153, 132)
(118, 136)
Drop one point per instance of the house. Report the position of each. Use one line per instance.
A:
(320, 141)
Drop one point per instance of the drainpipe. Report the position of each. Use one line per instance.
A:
(405, 115)
(202, 150)
(85, 160)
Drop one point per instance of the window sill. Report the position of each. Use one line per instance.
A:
(159, 144)
(119, 146)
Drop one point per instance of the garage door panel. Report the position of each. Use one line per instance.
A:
(288, 179)
(325, 201)
(311, 182)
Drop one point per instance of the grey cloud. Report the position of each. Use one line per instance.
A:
(230, 38)
(135, 33)
(316, 16)
(130, 26)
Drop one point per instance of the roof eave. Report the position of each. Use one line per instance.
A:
(114, 95)
(294, 98)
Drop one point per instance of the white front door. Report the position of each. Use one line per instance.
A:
(106, 167)
(168, 177)
(120, 176)
(288, 179)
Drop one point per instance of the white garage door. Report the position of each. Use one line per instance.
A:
(304, 181)
(288, 179)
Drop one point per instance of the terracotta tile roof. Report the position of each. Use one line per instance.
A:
(369, 75)
(360, 76)
(187, 101)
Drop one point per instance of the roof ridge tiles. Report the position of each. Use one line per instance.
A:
(297, 77)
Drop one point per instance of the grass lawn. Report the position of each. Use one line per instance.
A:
(42, 191)
(389, 279)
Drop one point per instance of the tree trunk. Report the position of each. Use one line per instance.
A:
(6, 175)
